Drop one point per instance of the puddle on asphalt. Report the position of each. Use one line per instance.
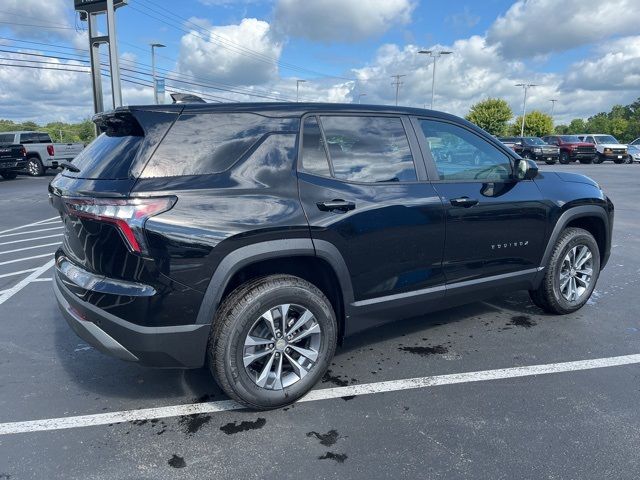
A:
(233, 427)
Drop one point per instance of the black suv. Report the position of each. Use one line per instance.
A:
(252, 238)
(533, 148)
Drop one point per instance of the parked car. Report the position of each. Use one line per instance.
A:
(607, 146)
(13, 158)
(253, 238)
(634, 152)
(533, 148)
(42, 153)
(572, 148)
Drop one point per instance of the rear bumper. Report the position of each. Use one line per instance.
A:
(12, 165)
(180, 346)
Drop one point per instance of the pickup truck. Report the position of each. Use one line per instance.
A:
(608, 148)
(42, 153)
(13, 158)
(572, 148)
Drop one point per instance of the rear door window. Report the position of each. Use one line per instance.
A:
(108, 157)
(368, 149)
(314, 155)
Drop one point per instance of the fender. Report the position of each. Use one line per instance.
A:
(565, 218)
(256, 252)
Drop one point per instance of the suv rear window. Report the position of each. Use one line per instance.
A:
(108, 157)
(207, 143)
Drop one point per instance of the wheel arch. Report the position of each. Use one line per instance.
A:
(321, 265)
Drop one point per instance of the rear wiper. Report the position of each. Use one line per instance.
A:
(68, 166)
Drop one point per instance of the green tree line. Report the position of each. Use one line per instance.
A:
(494, 115)
(83, 132)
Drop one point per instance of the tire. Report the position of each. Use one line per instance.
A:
(598, 158)
(549, 296)
(9, 175)
(619, 161)
(586, 161)
(564, 158)
(243, 313)
(550, 162)
(34, 167)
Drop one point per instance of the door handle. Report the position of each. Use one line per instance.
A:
(465, 202)
(338, 204)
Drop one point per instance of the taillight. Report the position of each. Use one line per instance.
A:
(50, 150)
(128, 215)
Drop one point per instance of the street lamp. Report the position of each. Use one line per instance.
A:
(525, 87)
(360, 97)
(153, 69)
(435, 54)
(298, 82)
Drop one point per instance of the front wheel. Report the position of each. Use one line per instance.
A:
(9, 175)
(571, 274)
(564, 158)
(598, 158)
(272, 341)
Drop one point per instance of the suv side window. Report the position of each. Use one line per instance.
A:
(314, 155)
(6, 137)
(460, 154)
(369, 149)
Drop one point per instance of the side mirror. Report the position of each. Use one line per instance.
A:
(526, 169)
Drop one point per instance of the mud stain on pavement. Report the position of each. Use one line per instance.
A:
(426, 351)
(346, 398)
(233, 427)
(326, 439)
(338, 457)
(176, 461)
(335, 379)
(193, 423)
(522, 321)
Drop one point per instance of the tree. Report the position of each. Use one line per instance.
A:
(577, 125)
(492, 115)
(536, 124)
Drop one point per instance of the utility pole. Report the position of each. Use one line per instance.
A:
(298, 82)
(397, 84)
(525, 87)
(153, 70)
(360, 97)
(116, 89)
(553, 106)
(435, 54)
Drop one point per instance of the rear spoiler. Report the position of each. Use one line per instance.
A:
(186, 98)
(118, 123)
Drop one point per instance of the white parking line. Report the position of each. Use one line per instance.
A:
(29, 248)
(31, 239)
(42, 279)
(7, 294)
(30, 231)
(26, 258)
(315, 395)
(19, 272)
(40, 222)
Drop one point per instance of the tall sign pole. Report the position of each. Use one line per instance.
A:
(89, 11)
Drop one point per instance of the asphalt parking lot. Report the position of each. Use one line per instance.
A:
(441, 396)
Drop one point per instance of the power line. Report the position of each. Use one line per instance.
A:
(397, 84)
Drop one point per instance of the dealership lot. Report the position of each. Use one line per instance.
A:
(84, 415)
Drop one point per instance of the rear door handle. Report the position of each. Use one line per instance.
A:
(338, 204)
(465, 202)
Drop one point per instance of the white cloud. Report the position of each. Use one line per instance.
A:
(538, 27)
(52, 13)
(340, 20)
(205, 57)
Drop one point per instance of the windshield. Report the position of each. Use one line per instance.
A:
(605, 139)
(534, 141)
(570, 138)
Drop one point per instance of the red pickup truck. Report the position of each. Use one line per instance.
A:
(572, 148)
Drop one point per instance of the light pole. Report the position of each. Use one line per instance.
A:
(153, 70)
(397, 83)
(553, 106)
(525, 87)
(298, 82)
(435, 54)
(360, 97)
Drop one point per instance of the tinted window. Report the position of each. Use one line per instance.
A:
(6, 137)
(314, 156)
(461, 155)
(369, 149)
(210, 143)
(570, 138)
(108, 156)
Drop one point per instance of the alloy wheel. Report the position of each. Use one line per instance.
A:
(576, 273)
(281, 346)
(32, 167)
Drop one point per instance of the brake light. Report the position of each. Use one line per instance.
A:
(128, 215)
(50, 150)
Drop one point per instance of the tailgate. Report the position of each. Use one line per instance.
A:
(12, 152)
(67, 150)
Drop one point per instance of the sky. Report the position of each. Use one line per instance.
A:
(583, 53)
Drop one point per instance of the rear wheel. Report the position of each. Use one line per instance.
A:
(35, 167)
(571, 274)
(271, 341)
(564, 158)
(9, 175)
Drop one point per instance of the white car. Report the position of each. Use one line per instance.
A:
(634, 150)
(607, 147)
